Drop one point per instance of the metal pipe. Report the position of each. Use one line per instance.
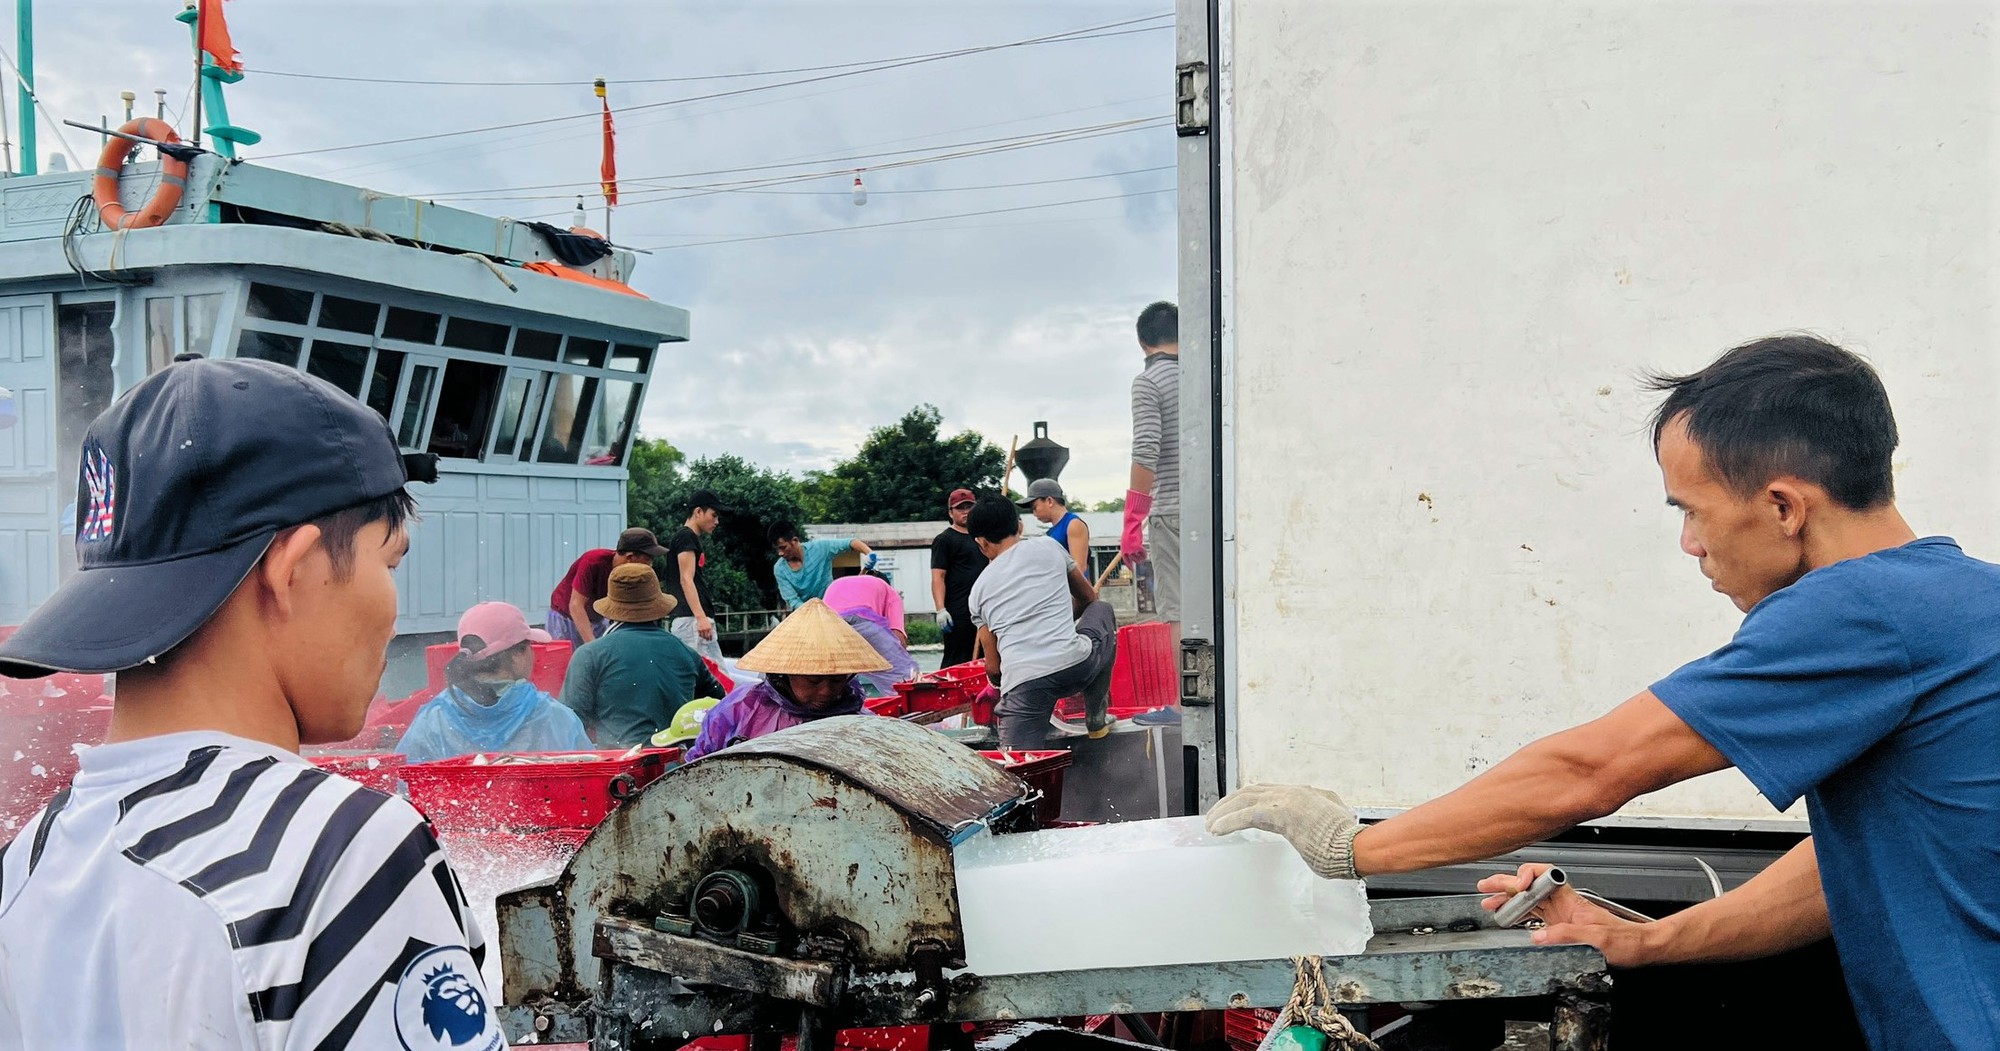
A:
(24, 21)
(1516, 908)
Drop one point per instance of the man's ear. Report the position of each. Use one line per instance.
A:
(1789, 502)
(278, 573)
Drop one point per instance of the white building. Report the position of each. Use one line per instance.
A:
(905, 549)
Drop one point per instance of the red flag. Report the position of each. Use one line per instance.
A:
(607, 170)
(215, 36)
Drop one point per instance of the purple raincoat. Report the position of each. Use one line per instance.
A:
(755, 709)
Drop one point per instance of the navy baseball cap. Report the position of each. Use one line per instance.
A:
(185, 481)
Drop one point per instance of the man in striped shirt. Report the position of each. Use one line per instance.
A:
(199, 885)
(1153, 503)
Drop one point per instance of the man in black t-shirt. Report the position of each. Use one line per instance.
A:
(686, 578)
(956, 563)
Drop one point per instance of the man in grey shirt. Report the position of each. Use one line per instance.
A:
(1042, 626)
(1153, 503)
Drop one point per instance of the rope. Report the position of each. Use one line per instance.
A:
(1312, 1005)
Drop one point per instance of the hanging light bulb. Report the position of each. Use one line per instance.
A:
(577, 218)
(860, 191)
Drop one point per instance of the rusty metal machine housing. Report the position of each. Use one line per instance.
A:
(804, 882)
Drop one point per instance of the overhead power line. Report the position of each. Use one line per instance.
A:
(845, 163)
(912, 222)
(587, 81)
(594, 114)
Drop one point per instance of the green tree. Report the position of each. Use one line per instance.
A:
(1109, 505)
(903, 472)
(655, 468)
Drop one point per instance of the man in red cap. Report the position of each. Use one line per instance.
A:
(956, 563)
(571, 605)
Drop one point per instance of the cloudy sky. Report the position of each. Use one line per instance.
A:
(801, 343)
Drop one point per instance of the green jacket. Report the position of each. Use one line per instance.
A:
(628, 683)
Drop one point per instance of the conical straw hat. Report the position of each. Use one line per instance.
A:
(813, 641)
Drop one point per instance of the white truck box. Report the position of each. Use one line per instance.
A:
(1437, 243)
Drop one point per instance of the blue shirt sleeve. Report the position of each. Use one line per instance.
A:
(788, 589)
(1814, 678)
(826, 549)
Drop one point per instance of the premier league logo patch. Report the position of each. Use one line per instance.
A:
(441, 1005)
(102, 484)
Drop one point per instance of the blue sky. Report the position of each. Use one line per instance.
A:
(801, 343)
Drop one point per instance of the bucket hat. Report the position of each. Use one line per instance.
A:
(634, 596)
(814, 640)
(184, 482)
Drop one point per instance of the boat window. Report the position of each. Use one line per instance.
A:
(541, 346)
(342, 364)
(612, 425)
(410, 326)
(83, 379)
(467, 334)
(348, 315)
(570, 399)
(201, 314)
(582, 351)
(628, 358)
(270, 346)
(278, 304)
(465, 408)
(513, 411)
(382, 381)
(423, 379)
(159, 333)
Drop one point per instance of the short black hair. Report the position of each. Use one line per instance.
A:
(1787, 405)
(993, 519)
(337, 531)
(780, 530)
(1159, 325)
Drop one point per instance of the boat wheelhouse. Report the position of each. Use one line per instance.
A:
(514, 351)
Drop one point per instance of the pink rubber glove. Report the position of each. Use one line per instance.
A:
(1133, 542)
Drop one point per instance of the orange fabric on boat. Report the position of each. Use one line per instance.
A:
(552, 269)
(215, 36)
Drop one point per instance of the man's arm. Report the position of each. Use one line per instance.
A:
(579, 613)
(1079, 543)
(859, 547)
(937, 589)
(989, 644)
(1142, 478)
(788, 593)
(1555, 783)
(1780, 908)
(703, 627)
(1081, 593)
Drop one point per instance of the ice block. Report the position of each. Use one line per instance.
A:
(1141, 893)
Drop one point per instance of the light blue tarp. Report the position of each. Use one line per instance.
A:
(523, 719)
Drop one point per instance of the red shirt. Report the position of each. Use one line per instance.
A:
(590, 574)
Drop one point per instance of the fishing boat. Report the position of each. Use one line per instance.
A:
(517, 352)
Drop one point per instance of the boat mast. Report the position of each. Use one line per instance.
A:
(24, 26)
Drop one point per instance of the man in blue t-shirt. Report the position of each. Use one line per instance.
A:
(1865, 679)
(804, 568)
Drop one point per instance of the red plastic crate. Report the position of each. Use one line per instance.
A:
(891, 707)
(378, 770)
(1245, 1028)
(540, 795)
(1146, 672)
(921, 696)
(1044, 772)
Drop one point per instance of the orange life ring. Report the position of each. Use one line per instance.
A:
(110, 163)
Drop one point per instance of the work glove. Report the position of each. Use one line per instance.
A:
(868, 562)
(944, 621)
(1313, 820)
(1133, 541)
